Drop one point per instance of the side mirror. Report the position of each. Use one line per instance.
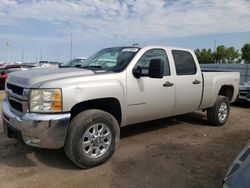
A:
(155, 69)
(137, 72)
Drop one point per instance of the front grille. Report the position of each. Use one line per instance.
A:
(15, 89)
(16, 105)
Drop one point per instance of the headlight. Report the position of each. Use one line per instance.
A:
(45, 100)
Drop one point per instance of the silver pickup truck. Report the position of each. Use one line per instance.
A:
(82, 109)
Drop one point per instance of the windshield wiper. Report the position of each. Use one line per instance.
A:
(64, 66)
(92, 67)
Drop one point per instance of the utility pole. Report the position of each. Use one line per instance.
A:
(53, 54)
(57, 58)
(70, 45)
(22, 55)
(41, 55)
(8, 52)
(215, 46)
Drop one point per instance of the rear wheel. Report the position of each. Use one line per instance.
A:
(218, 114)
(92, 138)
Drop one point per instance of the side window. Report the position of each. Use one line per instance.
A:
(154, 54)
(184, 62)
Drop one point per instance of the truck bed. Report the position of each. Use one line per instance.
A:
(212, 83)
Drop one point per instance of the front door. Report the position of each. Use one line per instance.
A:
(150, 98)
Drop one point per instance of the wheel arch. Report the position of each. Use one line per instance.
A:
(110, 105)
(227, 91)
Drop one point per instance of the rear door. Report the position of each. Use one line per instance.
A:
(188, 82)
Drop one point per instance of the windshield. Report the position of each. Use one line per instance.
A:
(74, 62)
(111, 59)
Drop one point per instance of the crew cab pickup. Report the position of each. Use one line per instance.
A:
(82, 109)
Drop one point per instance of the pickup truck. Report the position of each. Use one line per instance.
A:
(83, 108)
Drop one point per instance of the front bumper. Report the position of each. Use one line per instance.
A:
(39, 130)
(244, 97)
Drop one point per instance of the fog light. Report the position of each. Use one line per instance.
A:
(32, 140)
(35, 140)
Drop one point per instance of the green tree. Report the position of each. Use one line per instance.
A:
(204, 55)
(220, 54)
(198, 54)
(210, 56)
(232, 55)
(245, 50)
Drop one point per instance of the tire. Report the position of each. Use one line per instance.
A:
(92, 138)
(218, 114)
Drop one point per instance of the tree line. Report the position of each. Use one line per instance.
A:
(224, 54)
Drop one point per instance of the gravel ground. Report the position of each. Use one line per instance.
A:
(183, 151)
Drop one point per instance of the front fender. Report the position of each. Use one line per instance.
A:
(90, 90)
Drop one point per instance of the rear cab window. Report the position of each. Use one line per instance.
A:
(184, 62)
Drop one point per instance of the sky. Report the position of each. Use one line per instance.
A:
(34, 30)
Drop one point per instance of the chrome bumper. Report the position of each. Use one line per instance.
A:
(39, 130)
(246, 98)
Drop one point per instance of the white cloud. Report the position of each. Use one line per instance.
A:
(132, 19)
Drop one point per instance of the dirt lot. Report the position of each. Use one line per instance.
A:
(183, 151)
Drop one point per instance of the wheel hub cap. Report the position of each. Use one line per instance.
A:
(96, 140)
(223, 110)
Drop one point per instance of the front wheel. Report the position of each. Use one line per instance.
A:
(218, 114)
(92, 138)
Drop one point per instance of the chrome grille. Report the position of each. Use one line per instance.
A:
(15, 89)
(17, 97)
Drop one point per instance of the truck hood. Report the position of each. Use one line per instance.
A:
(36, 77)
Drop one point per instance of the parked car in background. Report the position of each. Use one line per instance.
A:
(238, 173)
(244, 92)
(46, 64)
(6, 70)
(76, 62)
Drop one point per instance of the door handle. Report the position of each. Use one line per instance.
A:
(168, 84)
(196, 81)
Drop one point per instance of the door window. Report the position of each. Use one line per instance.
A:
(154, 54)
(184, 62)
